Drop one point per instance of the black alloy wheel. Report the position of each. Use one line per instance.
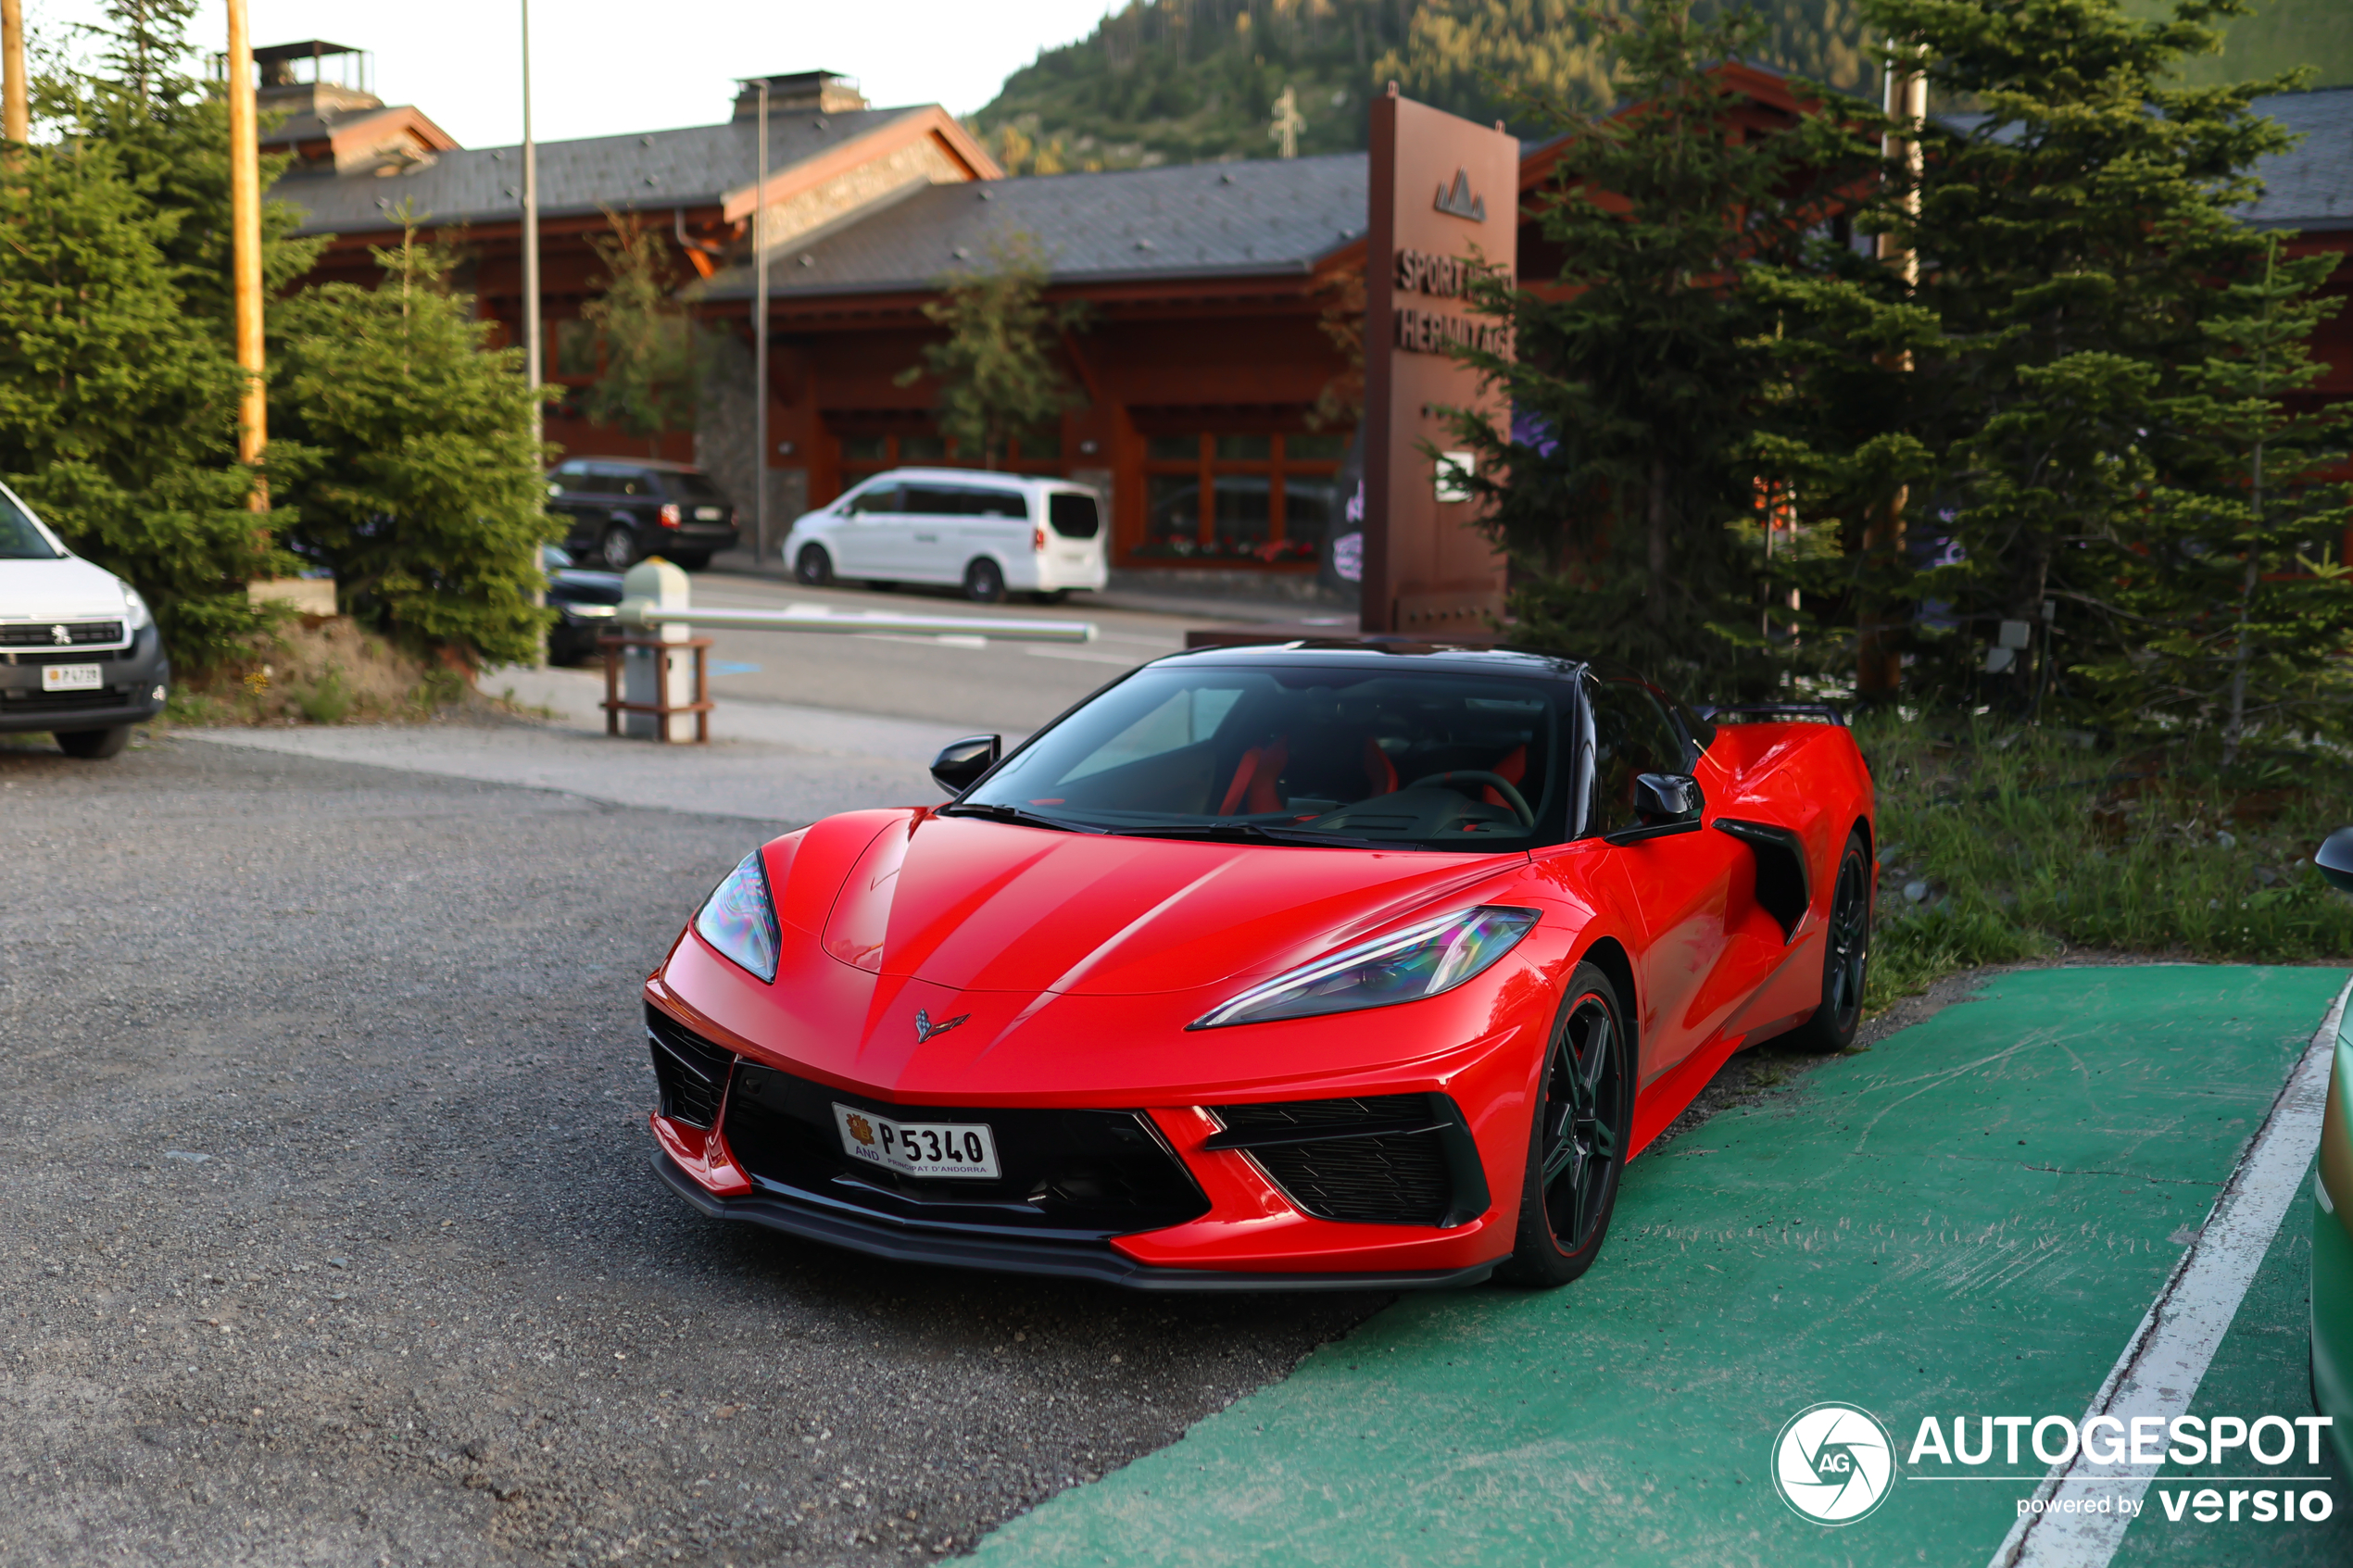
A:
(812, 566)
(1847, 956)
(983, 582)
(618, 549)
(1576, 1147)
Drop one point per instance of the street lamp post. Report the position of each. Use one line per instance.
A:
(534, 354)
(759, 341)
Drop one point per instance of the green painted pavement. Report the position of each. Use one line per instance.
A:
(1972, 1218)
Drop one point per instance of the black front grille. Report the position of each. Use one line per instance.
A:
(691, 1069)
(44, 634)
(1399, 1160)
(61, 702)
(1068, 1175)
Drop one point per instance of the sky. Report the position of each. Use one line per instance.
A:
(603, 68)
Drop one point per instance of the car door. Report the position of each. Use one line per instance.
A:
(1680, 883)
(994, 520)
(926, 537)
(566, 488)
(856, 541)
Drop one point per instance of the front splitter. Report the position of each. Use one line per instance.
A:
(881, 1238)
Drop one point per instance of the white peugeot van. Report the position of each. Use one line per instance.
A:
(80, 656)
(994, 533)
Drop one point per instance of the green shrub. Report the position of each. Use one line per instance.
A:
(2024, 842)
(417, 478)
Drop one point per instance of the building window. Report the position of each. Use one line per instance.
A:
(865, 454)
(1238, 499)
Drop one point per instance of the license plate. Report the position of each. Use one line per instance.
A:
(708, 514)
(70, 678)
(918, 1148)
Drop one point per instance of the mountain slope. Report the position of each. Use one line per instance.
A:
(1185, 80)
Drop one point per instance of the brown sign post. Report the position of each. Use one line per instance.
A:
(1445, 200)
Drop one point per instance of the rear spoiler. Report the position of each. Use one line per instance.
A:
(1771, 713)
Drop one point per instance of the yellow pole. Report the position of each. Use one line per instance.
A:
(244, 223)
(16, 120)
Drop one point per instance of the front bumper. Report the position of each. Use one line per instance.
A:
(880, 1236)
(129, 679)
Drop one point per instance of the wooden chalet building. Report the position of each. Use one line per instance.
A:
(1210, 290)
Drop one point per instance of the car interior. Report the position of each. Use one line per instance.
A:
(1406, 758)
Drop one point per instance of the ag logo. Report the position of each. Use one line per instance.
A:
(1833, 1463)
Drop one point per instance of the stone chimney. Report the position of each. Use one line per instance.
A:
(805, 92)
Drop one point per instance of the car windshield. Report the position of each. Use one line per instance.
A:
(20, 540)
(1426, 758)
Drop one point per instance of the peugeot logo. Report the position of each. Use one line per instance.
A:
(925, 1028)
(60, 636)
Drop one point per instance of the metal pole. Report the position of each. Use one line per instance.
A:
(245, 241)
(1878, 664)
(641, 612)
(16, 120)
(534, 354)
(759, 341)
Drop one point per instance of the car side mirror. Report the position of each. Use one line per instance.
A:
(961, 763)
(1660, 799)
(2336, 860)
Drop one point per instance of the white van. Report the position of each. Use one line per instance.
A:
(80, 656)
(994, 533)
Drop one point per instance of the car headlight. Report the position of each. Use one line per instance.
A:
(135, 609)
(1421, 961)
(739, 918)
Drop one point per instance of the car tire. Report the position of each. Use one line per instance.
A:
(813, 565)
(94, 745)
(690, 561)
(1578, 1139)
(1846, 955)
(984, 582)
(618, 548)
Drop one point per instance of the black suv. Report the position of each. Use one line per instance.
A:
(621, 510)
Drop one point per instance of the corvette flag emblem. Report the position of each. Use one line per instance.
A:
(925, 1028)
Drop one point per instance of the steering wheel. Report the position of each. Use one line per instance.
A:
(1495, 781)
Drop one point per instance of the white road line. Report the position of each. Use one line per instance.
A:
(1081, 655)
(2167, 1356)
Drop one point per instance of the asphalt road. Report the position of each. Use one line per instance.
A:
(330, 1238)
(995, 685)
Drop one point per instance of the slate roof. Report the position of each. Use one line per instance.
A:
(2311, 185)
(690, 166)
(1256, 215)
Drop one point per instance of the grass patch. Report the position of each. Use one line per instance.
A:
(2000, 843)
(319, 670)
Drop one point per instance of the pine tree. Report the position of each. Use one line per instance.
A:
(419, 482)
(2090, 279)
(118, 404)
(998, 373)
(1625, 493)
(647, 386)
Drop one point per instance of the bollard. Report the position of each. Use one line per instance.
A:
(656, 676)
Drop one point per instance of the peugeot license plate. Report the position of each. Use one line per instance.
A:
(918, 1148)
(70, 678)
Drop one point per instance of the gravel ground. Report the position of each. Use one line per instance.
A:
(330, 1238)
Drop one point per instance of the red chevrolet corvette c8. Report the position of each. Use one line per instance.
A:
(1335, 965)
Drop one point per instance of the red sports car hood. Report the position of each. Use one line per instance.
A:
(982, 906)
